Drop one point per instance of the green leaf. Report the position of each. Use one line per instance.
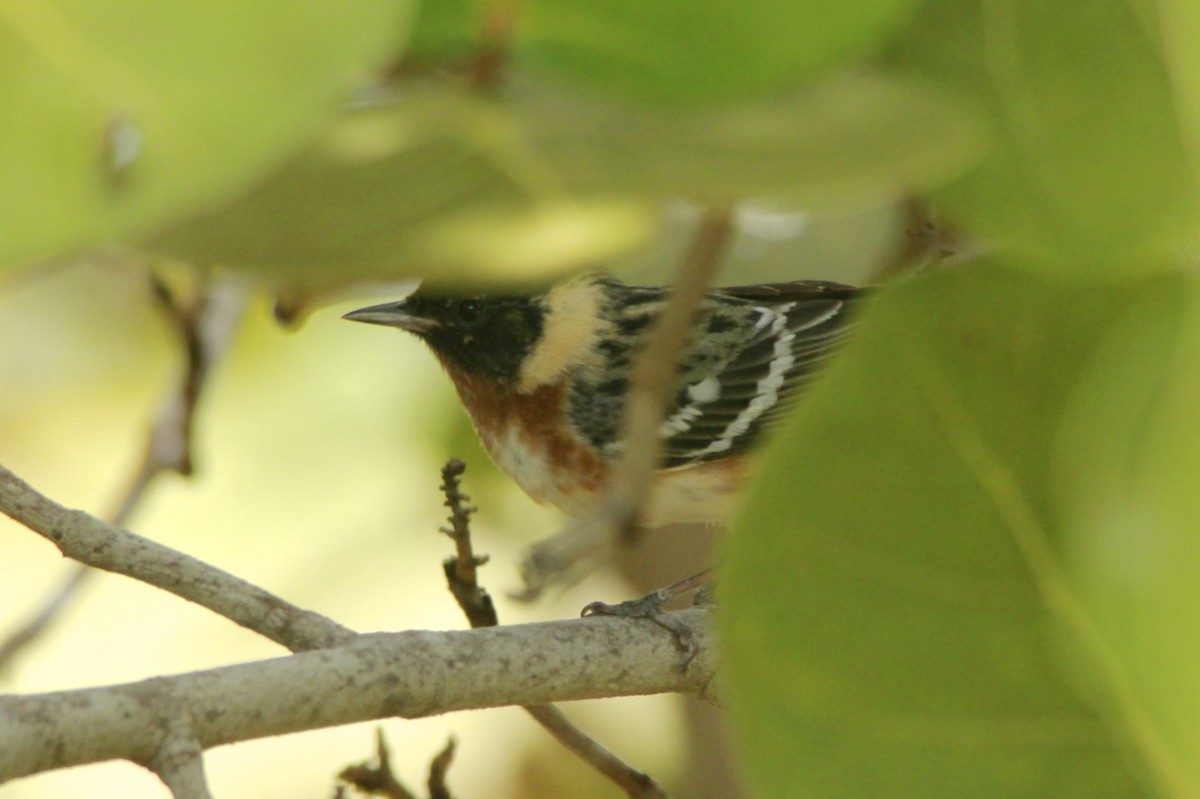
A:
(698, 51)
(1124, 468)
(447, 29)
(845, 139)
(1180, 26)
(431, 185)
(1088, 172)
(928, 592)
(121, 115)
(442, 183)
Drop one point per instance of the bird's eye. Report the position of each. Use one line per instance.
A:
(469, 310)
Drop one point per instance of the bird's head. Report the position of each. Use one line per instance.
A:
(526, 339)
(485, 335)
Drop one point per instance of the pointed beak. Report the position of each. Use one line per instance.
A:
(392, 314)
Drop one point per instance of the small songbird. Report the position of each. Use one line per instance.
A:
(544, 375)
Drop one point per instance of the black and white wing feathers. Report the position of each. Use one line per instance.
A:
(753, 348)
(768, 340)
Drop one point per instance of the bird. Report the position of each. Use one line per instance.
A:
(543, 375)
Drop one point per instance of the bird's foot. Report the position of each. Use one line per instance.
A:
(650, 607)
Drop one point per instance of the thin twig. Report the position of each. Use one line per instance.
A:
(498, 23)
(438, 789)
(378, 779)
(461, 576)
(634, 783)
(655, 374)
(477, 605)
(462, 569)
(204, 327)
(927, 241)
(651, 388)
(40, 620)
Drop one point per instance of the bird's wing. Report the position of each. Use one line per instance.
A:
(757, 346)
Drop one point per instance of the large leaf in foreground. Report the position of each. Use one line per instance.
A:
(121, 115)
(433, 184)
(1090, 169)
(439, 183)
(699, 52)
(843, 139)
(921, 597)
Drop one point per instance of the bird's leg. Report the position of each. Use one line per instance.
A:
(563, 558)
(652, 602)
(651, 607)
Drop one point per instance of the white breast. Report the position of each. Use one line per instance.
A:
(532, 471)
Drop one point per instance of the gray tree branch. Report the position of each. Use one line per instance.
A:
(348, 678)
(97, 543)
(407, 674)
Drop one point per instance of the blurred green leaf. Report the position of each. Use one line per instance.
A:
(446, 29)
(848, 138)
(699, 51)
(434, 184)
(929, 592)
(440, 183)
(1088, 169)
(121, 115)
(1180, 26)
(1125, 464)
